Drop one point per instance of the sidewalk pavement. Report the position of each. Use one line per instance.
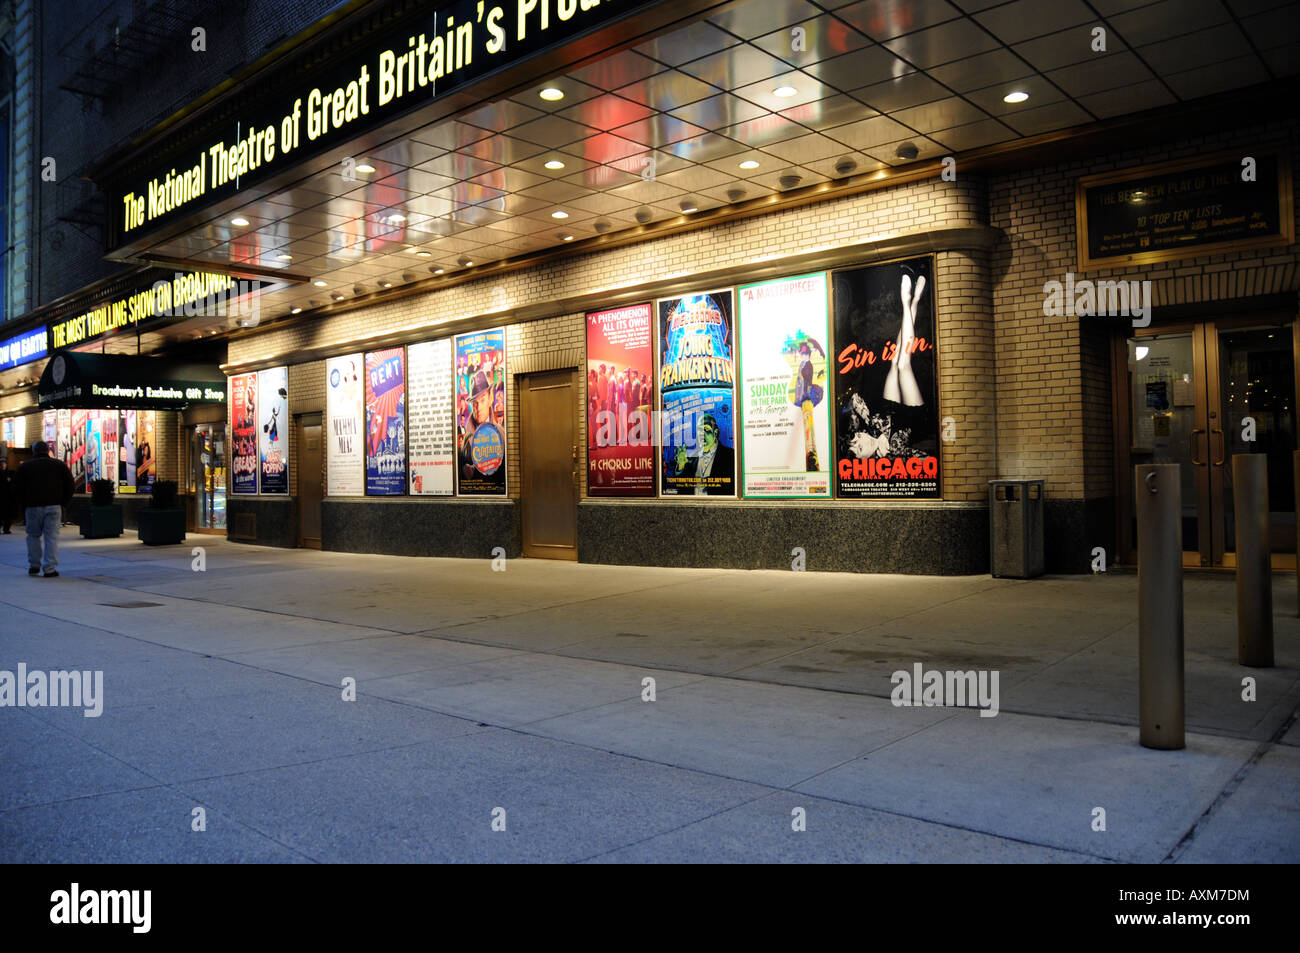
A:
(524, 690)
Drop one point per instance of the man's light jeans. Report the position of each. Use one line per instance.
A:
(43, 521)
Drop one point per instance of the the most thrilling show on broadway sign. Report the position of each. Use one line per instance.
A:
(886, 381)
(620, 395)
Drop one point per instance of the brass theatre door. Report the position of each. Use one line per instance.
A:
(549, 452)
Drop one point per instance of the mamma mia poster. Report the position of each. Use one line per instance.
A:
(345, 440)
(785, 419)
(697, 380)
(386, 422)
(273, 431)
(886, 381)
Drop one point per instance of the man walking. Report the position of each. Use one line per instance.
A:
(7, 504)
(44, 486)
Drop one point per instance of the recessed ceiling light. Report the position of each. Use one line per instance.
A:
(603, 226)
(295, 310)
(239, 221)
(1017, 96)
(466, 262)
(559, 214)
(320, 283)
(424, 254)
(749, 164)
(551, 94)
(385, 284)
(336, 296)
(785, 92)
(437, 271)
(644, 215)
(790, 180)
(907, 150)
(284, 256)
(555, 164)
(564, 237)
(396, 218)
(366, 168)
(688, 206)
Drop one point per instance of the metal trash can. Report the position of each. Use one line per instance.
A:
(1016, 528)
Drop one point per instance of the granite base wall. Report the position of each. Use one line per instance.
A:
(461, 529)
(929, 540)
(1072, 529)
(275, 521)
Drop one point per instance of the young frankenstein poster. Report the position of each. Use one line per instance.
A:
(886, 381)
(697, 380)
(481, 413)
(386, 422)
(620, 394)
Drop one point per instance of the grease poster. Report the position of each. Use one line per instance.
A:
(620, 396)
(886, 381)
(243, 417)
(386, 422)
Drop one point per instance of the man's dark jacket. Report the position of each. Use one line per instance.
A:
(43, 481)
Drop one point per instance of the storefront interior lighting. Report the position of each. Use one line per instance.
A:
(551, 94)
(1015, 96)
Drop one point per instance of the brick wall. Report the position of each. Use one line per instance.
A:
(1053, 393)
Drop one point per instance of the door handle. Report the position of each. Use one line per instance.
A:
(1223, 447)
(1191, 440)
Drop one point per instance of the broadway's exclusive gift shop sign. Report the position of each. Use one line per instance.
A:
(886, 381)
(620, 395)
(785, 419)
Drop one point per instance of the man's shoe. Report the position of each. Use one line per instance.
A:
(52, 572)
(33, 571)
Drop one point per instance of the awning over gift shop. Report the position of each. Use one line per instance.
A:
(108, 381)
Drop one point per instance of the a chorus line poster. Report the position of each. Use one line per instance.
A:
(429, 412)
(784, 409)
(345, 439)
(386, 422)
(886, 381)
(243, 416)
(697, 382)
(620, 396)
(273, 435)
(481, 413)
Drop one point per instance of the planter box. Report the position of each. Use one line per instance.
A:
(101, 522)
(161, 527)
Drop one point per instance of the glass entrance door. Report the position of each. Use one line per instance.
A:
(209, 456)
(1197, 395)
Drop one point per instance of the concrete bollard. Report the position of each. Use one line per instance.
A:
(1254, 571)
(1160, 606)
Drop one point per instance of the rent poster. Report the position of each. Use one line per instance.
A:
(345, 461)
(429, 414)
(697, 382)
(886, 381)
(50, 428)
(243, 417)
(784, 404)
(620, 396)
(273, 430)
(386, 422)
(481, 413)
